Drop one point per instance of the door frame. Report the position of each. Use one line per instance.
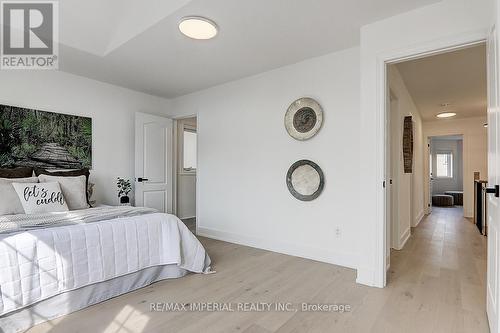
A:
(428, 168)
(428, 178)
(176, 161)
(382, 61)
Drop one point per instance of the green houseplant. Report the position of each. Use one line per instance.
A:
(124, 188)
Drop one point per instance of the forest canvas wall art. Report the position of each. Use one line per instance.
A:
(44, 139)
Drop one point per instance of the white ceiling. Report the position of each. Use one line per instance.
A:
(99, 27)
(136, 44)
(458, 78)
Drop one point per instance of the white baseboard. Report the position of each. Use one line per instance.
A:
(366, 276)
(348, 260)
(418, 219)
(403, 239)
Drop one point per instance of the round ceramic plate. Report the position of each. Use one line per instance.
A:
(305, 180)
(304, 118)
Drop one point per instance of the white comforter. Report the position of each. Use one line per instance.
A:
(40, 263)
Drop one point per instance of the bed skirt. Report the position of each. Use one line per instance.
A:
(78, 299)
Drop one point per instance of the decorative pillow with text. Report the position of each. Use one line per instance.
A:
(41, 197)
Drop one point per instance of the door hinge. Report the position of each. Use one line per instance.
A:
(383, 184)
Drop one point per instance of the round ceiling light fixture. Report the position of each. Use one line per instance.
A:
(446, 115)
(197, 27)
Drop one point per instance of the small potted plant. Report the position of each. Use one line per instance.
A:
(124, 188)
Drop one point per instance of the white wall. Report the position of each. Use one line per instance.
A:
(111, 108)
(186, 181)
(244, 153)
(408, 196)
(475, 151)
(443, 24)
(455, 183)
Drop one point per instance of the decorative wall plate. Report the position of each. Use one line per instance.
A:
(304, 118)
(305, 180)
(408, 144)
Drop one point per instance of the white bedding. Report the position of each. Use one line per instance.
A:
(41, 263)
(71, 301)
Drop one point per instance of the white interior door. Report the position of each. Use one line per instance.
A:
(388, 181)
(395, 160)
(493, 202)
(153, 161)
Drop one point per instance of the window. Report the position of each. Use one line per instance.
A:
(189, 150)
(444, 165)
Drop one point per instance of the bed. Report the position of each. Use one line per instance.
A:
(52, 264)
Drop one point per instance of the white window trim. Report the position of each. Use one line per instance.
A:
(447, 152)
(181, 170)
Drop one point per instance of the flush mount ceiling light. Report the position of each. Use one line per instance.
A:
(197, 27)
(446, 115)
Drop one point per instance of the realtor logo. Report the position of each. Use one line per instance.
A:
(30, 34)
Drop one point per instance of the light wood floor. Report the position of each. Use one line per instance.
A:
(436, 284)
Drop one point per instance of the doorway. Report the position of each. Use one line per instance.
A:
(378, 98)
(186, 170)
(439, 104)
(446, 171)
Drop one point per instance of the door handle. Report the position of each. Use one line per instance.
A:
(140, 180)
(494, 190)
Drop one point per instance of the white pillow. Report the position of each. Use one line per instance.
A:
(74, 189)
(41, 198)
(9, 203)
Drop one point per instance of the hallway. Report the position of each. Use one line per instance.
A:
(443, 271)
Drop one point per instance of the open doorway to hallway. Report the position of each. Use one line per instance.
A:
(446, 171)
(186, 169)
(436, 151)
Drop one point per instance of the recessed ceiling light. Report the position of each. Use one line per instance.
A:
(198, 27)
(446, 115)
